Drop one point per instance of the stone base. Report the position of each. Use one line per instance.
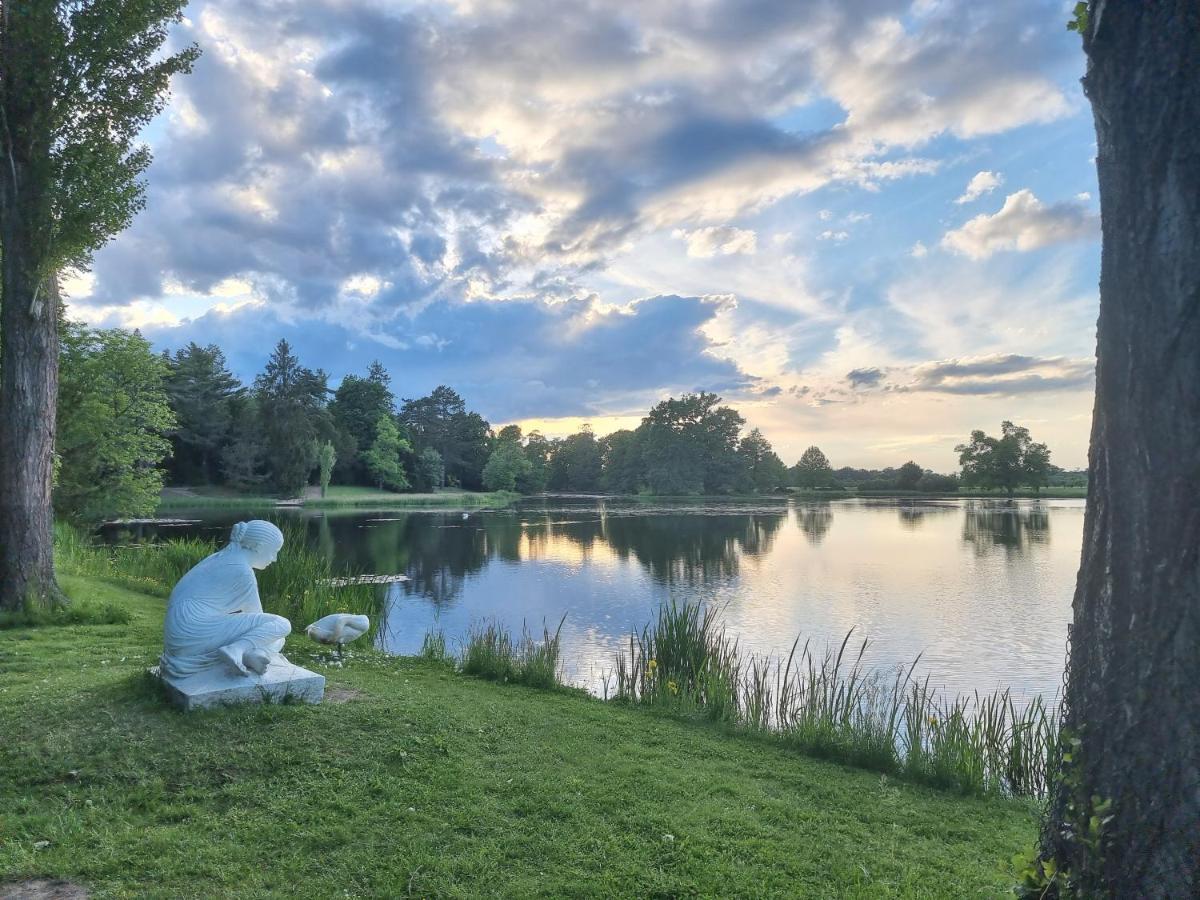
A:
(282, 682)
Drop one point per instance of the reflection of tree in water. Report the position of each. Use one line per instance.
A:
(815, 520)
(914, 512)
(691, 548)
(987, 525)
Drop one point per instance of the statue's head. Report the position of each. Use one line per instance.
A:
(260, 539)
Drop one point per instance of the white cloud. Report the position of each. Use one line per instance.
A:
(722, 240)
(1024, 223)
(982, 183)
(838, 236)
(919, 250)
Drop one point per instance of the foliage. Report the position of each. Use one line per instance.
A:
(382, 458)
(202, 393)
(78, 83)
(1006, 462)
(506, 466)
(430, 472)
(909, 476)
(763, 470)
(356, 407)
(577, 463)
(689, 446)
(441, 422)
(113, 417)
(1079, 18)
(244, 459)
(326, 459)
(812, 471)
(291, 404)
(622, 462)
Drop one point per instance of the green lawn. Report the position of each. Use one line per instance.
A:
(337, 495)
(433, 784)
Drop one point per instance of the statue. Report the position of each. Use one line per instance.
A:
(214, 617)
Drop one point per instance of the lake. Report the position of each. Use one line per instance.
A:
(981, 589)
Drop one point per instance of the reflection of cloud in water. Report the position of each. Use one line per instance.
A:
(989, 524)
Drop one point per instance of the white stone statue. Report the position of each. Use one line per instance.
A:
(214, 617)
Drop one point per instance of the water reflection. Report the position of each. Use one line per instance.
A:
(815, 520)
(989, 524)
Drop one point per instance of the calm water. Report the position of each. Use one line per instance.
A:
(981, 589)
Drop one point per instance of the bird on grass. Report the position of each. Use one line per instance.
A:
(338, 629)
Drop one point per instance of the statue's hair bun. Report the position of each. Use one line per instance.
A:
(255, 534)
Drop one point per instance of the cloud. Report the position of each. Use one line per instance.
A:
(995, 374)
(722, 240)
(836, 236)
(981, 183)
(918, 251)
(1024, 223)
(864, 377)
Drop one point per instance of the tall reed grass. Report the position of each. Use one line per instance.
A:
(295, 586)
(831, 705)
(492, 653)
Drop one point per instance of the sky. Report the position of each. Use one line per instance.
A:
(868, 225)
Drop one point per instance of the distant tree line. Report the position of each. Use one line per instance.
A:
(130, 419)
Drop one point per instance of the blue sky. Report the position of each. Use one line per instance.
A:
(870, 225)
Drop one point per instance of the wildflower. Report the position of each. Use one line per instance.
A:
(672, 687)
(933, 720)
(652, 665)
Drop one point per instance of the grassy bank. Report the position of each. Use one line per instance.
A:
(337, 495)
(427, 783)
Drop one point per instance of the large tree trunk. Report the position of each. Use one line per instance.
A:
(28, 388)
(1133, 694)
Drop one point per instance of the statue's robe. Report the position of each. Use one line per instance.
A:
(214, 605)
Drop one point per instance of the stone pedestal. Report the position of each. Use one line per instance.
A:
(282, 682)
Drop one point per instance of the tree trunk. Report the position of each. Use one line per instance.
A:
(28, 388)
(1132, 702)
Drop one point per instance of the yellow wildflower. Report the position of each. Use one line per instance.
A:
(672, 687)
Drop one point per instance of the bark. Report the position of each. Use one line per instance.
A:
(1133, 691)
(28, 389)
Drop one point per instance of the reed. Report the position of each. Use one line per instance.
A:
(492, 653)
(833, 706)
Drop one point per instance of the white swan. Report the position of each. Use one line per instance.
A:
(338, 629)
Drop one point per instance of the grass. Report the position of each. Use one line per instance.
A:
(492, 653)
(834, 707)
(337, 495)
(430, 784)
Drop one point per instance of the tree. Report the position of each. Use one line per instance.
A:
(1123, 816)
(1006, 462)
(78, 81)
(812, 471)
(201, 390)
(505, 467)
(764, 471)
(113, 418)
(689, 446)
(430, 472)
(382, 458)
(356, 407)
(909, 476)
(326, 458)
(576, 464)
(461, 438)
(291, 401)
(537, 451)
(622, 458)
(243, 460)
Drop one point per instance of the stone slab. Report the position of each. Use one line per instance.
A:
(283, 681)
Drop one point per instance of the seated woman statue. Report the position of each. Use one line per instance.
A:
(214, 616)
